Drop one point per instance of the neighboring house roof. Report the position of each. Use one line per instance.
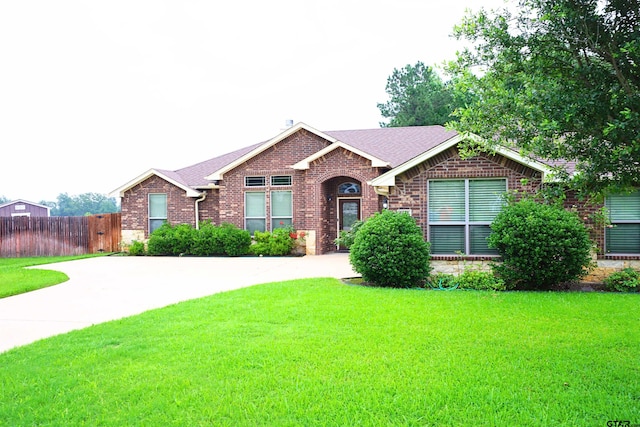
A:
(398, 148)
(13, 202)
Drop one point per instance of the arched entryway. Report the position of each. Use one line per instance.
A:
(343, 207)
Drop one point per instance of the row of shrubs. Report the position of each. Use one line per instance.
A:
(541, 246)
(214, 240)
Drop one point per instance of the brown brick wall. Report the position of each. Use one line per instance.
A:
(411, 188)
(315, 198)
(180, 208)
(311, 188)
(410, 191)
(326, 174)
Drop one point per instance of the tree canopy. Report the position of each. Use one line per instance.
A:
(417, 97)
(83, 204)
(559, 79)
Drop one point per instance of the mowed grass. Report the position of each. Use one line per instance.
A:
(16, 279)
(321, 353)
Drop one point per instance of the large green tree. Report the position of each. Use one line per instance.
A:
(560, 79)
(417, 97)
(83, 204)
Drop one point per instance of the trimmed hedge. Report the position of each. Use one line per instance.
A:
(208, 240)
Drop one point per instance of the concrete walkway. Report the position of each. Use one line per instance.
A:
(113, 287)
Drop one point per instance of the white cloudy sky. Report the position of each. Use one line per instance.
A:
(94, 93)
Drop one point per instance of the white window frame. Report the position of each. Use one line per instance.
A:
(287, 178)
(263, 217)
(467, 223)
(248, 181)
(287, 218)
(154, 219)
(617, 222)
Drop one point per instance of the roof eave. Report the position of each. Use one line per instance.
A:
(389, 178)
(119, 192)
(375, 161)
(219, 174)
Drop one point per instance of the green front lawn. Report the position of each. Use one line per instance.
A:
(319, 352)
(16, 279)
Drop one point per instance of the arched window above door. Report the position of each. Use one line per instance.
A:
(350, 188)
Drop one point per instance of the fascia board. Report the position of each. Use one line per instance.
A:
(546, 170)
(304, 164)
(218, 175)
(389, 178)
(119, 192)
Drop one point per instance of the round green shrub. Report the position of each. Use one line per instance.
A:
(171, 240)
(389, 250)
(541, 245)
(480, 280)
(626, 280)
(235, 241)
(276, 243)
(208, 240)
(136, 248)
(161, 240)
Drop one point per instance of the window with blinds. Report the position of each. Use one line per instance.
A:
(624, 213)
(255, 211)
(157, 210)
(460, 214)
(281, 209)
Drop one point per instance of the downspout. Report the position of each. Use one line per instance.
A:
(198, 200)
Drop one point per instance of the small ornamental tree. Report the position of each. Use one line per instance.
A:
(541, 245)
(389, 250)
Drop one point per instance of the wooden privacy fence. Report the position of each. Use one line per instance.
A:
(64, 235)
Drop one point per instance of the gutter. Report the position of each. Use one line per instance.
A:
(198, 200)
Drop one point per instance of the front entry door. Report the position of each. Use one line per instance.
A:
(349, 212)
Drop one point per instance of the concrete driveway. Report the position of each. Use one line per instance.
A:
(113, 287)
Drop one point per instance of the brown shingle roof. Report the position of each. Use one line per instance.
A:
(194, 175)
(395, 145)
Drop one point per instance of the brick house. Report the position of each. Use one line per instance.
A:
(321, 182)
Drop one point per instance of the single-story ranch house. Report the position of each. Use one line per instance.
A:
(321, 182)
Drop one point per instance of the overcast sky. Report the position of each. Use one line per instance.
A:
(93, 94)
